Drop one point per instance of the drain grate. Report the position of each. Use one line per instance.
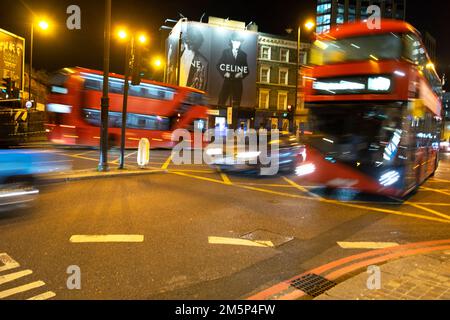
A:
(266, 236)
(313, 285)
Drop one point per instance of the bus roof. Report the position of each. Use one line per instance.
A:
(119, 76)
(360, 28)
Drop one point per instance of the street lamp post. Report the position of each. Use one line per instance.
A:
(309, 26)
(129, 53)
(31, 61)
(43, 25)
(131, 66)
(103, 165)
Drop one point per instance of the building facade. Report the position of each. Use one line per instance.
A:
(334, 12)
(277, 81)
(446, 111)
(250, 77)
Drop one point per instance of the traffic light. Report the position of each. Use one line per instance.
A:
(136, 77)
(290, 114)
(8, 85)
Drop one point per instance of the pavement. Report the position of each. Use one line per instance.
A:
(189, 232)
(421, 277)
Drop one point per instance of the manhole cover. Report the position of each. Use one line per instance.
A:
(313, 285)
(263, 236)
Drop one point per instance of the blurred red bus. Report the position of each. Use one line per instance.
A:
(155, 110)
(374, 110)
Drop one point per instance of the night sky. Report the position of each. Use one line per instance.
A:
(64, 48)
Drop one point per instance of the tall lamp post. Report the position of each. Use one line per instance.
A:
(130, 65)
(103, 165)
(309, 25)
(43, 26)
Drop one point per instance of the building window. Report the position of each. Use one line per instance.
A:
(284, 55)
(284, 76)
(282, 100)
(265, 53)
(265, 74)
(264, 99)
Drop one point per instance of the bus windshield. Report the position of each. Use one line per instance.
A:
(352, 134)
(375, 47)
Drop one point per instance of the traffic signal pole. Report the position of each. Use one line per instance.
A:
(103, 165)
(31, 61)
(129, 63)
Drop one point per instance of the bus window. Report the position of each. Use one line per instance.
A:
(136, 91)
(116, 87)
(159, 93)
(91, 84)
(134, 120)
(195, 99)
(378, 47)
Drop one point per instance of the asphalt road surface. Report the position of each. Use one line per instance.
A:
(195, 233)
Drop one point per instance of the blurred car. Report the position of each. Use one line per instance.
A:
(19, 171)
(444, 146)
(236, 159)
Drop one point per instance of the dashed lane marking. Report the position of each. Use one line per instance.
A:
(24, 288)
(240, 242)
(14, 276)
(7, 263)
(44, 296)
(367, 245)
(107, 238)
(10, 264)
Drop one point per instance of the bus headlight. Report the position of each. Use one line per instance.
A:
(214, 152)
(379, 84)
(248, 155)
(305, 169)
(389, 178)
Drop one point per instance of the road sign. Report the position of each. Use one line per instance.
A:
(21, 115)
(230, 116)
(12, 59)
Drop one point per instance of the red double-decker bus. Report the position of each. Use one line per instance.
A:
(373, 98)
(155, 110)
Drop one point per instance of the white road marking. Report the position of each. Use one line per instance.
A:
(367, 245)
(27, 287)
(44, 296)
(14, 276)
(106, 238)
(240, 242)
(8, 263)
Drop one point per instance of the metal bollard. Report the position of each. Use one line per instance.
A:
(143, 157)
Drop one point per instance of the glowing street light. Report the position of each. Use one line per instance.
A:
(122, 34)
(142, 39)
(44, 25)
(309, 25)
(157, 63)
(132, 63)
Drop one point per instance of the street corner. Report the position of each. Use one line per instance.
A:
(416, 271)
